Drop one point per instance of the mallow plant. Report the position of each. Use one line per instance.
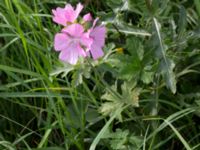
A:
(110, 74)
(77, 39)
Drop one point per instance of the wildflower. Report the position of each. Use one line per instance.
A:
(72, 43)
(77, 39)
(66, 15)
(97, 33)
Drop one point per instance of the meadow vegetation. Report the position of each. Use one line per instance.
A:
(143, 94)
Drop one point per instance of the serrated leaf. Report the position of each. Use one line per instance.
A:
(167, 65)
(62, 70)
(135, 47)
(109, 109)
(147, 77)
(129, 71)
(109, 96)
(130, 95)
(129, 29)
(166, 68)
(129, 67)
(182, 22)
(136, 141)
(77, 78)
(121, 139)
(81, 71)
(86, 71)
(113, 105)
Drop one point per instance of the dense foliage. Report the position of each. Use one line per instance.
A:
(142, 94)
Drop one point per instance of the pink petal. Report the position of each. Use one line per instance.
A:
(75, 30)
(87, 17)
(96, 51)
(81, 51)
(72, 14)
(70, 54)
(59, 16)
(95, 22)
(86, 41)
(79, 7)
(69, 13)
(69, 7)
(61, 41)
(98, 34)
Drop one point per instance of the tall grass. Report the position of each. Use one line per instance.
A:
(145, 96)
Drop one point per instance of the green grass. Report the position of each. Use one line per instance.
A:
(146, 97)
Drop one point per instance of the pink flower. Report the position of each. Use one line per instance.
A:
(66, 15)
(97, 34)
(73, 43)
